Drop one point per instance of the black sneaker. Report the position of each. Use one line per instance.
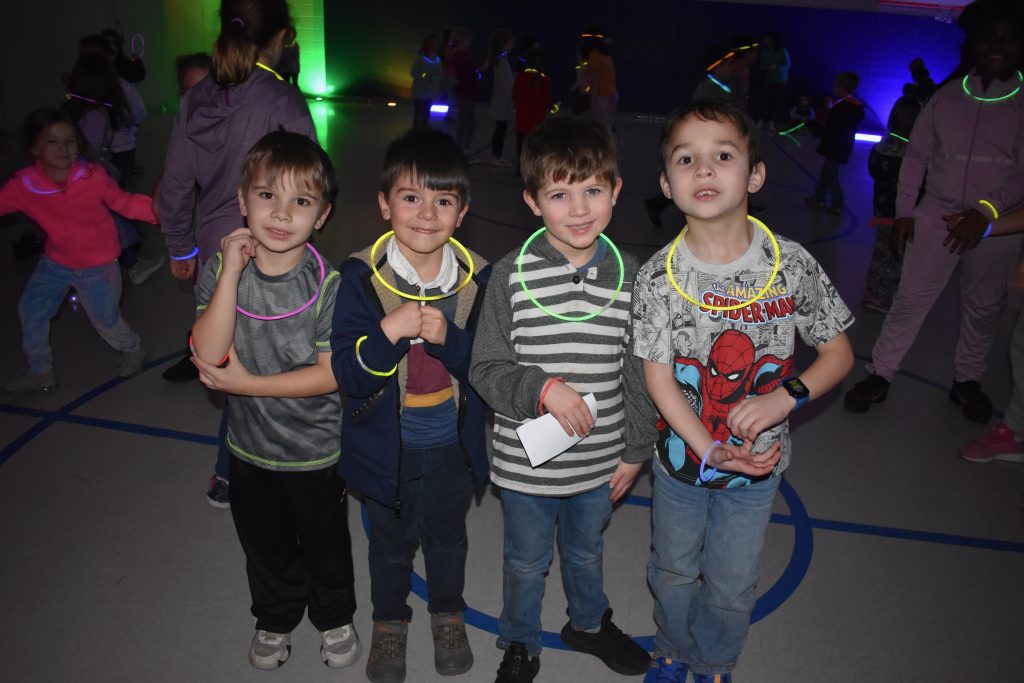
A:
(613, 647)
(977, 406)
(182, 371)
(871, 389)
(219, 493)
(517, 666)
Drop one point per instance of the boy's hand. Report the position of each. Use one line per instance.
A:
(405, 322)
(569, 409)
(238, 247)
(231, 379)
(183, 270)
(751, 416)
(740, 459)
(435, 325)
(966, 230)
(902, 232)
(622, 480)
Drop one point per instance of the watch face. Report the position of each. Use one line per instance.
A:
(796, 388)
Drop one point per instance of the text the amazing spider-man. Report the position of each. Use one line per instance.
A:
(776, 303)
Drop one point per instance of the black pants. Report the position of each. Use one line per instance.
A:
(498, 138)
(421, 112)
(298, 553)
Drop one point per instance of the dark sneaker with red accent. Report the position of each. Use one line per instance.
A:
(999, 444)
(613, 647)
(871, 389)
(975, 404)
(219, 493)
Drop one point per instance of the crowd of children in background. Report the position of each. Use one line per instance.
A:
(420, 335)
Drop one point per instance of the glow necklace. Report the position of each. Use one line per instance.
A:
(719, 83)
(559, 316)
(27, 182)
(267, 68)
(394, 290)
(1020, 79)
(764, 290)
(300, 309)
(899, 137)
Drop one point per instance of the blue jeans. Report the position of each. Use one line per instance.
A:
(529, 527)
(716, 534)
(99, 292)
(436, 490)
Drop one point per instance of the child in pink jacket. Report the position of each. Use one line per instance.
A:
(71, 200)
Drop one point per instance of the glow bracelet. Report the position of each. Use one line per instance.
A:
(704, 460)
(364, 366)
(190, 255)
(991, 207)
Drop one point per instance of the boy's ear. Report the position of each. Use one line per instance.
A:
(616, 188)
(385, 210)
(241, 200)
(757, 177)
(462, 214)
(665, 189)
(325, 213)
(531, 202)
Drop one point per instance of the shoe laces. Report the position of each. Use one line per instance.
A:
(386, 645)
(449, 634)
(514, 662)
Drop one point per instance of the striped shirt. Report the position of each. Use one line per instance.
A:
(519, 347)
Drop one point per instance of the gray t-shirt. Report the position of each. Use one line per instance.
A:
(285, 434)
(721, 357)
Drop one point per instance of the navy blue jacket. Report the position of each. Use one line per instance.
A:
(371, 432)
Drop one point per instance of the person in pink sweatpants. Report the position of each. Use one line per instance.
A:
(967, 148)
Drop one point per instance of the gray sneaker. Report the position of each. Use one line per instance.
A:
(340, 646)
(386, 663)
(452, 655)
(269, 650)
(143, 268)
(132, 362)
(31, 383)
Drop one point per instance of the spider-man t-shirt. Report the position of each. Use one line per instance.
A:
(721, 357)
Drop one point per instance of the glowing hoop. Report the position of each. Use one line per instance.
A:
(413, 297)
(764, 290)
(142, 48)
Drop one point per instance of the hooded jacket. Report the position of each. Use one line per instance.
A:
(371, 429)
(80, 232)
(214, 130)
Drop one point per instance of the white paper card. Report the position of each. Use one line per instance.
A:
(543, 438)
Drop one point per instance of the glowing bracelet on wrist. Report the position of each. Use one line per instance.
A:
(991, 207)
(223, 362)
(190, 255)
(704, 460)
(988, 231)
(364, 366)
(544, 393)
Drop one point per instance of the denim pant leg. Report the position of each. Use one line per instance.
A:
(445, 494)
(40, 301)
(581, 521)
(720, 617)
(99, 290)
(529, 532)
(680, 515)
(392, 549)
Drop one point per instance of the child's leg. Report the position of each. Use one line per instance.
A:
(393, 542)
(680, 516)
(884, 272)
(830, 177)
(262, 518)
(39, 303)
(821, 189)
(498, 138)
(445, 496)
(529, 534)
(720, 618)
(318, 511)
(983, 275)
(99, 290)
(581, 519)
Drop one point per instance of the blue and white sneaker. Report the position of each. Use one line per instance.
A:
(666, 670)
(712, 678)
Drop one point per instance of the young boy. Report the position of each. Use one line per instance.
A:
(413, 428)
(844, 115)
(721, 379)
(554, 328)
(262, 335)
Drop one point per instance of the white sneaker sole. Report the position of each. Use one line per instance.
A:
(340, 661)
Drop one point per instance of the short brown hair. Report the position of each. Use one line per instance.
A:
(712, 110)
(570, 149)
(283, 153)
(432, 158)
(848, 81)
